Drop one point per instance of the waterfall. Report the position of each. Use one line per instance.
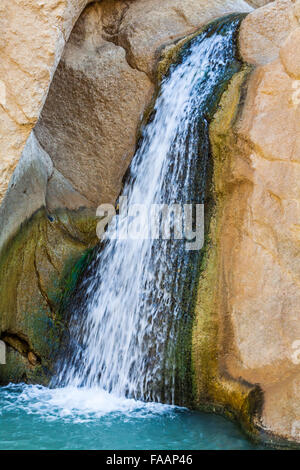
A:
(131, 316)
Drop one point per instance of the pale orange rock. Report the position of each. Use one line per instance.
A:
(264, 31)
(290, 54)
(260, 244)
(33, 37)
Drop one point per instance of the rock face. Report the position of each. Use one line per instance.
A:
(99, 98)
(37, 269)
(85, 97)
(32, 40)
(264, 31)
(267, 294)
(255, 235)
(271, 298)
(35, 32)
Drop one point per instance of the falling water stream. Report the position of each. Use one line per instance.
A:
(129, 344)
(134, 308)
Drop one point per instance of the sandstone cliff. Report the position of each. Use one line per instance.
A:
(264, 296)
(87, 75)
(34, 34)
(251, 284)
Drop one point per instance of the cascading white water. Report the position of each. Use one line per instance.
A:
(124, 335)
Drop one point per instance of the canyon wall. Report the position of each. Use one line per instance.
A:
(251, 284)
(265, 298)
(35, 32)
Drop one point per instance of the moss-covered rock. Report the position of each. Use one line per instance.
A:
(37, 270)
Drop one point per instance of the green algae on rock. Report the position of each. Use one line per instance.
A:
(35, 273)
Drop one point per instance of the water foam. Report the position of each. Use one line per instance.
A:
(75, 404)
